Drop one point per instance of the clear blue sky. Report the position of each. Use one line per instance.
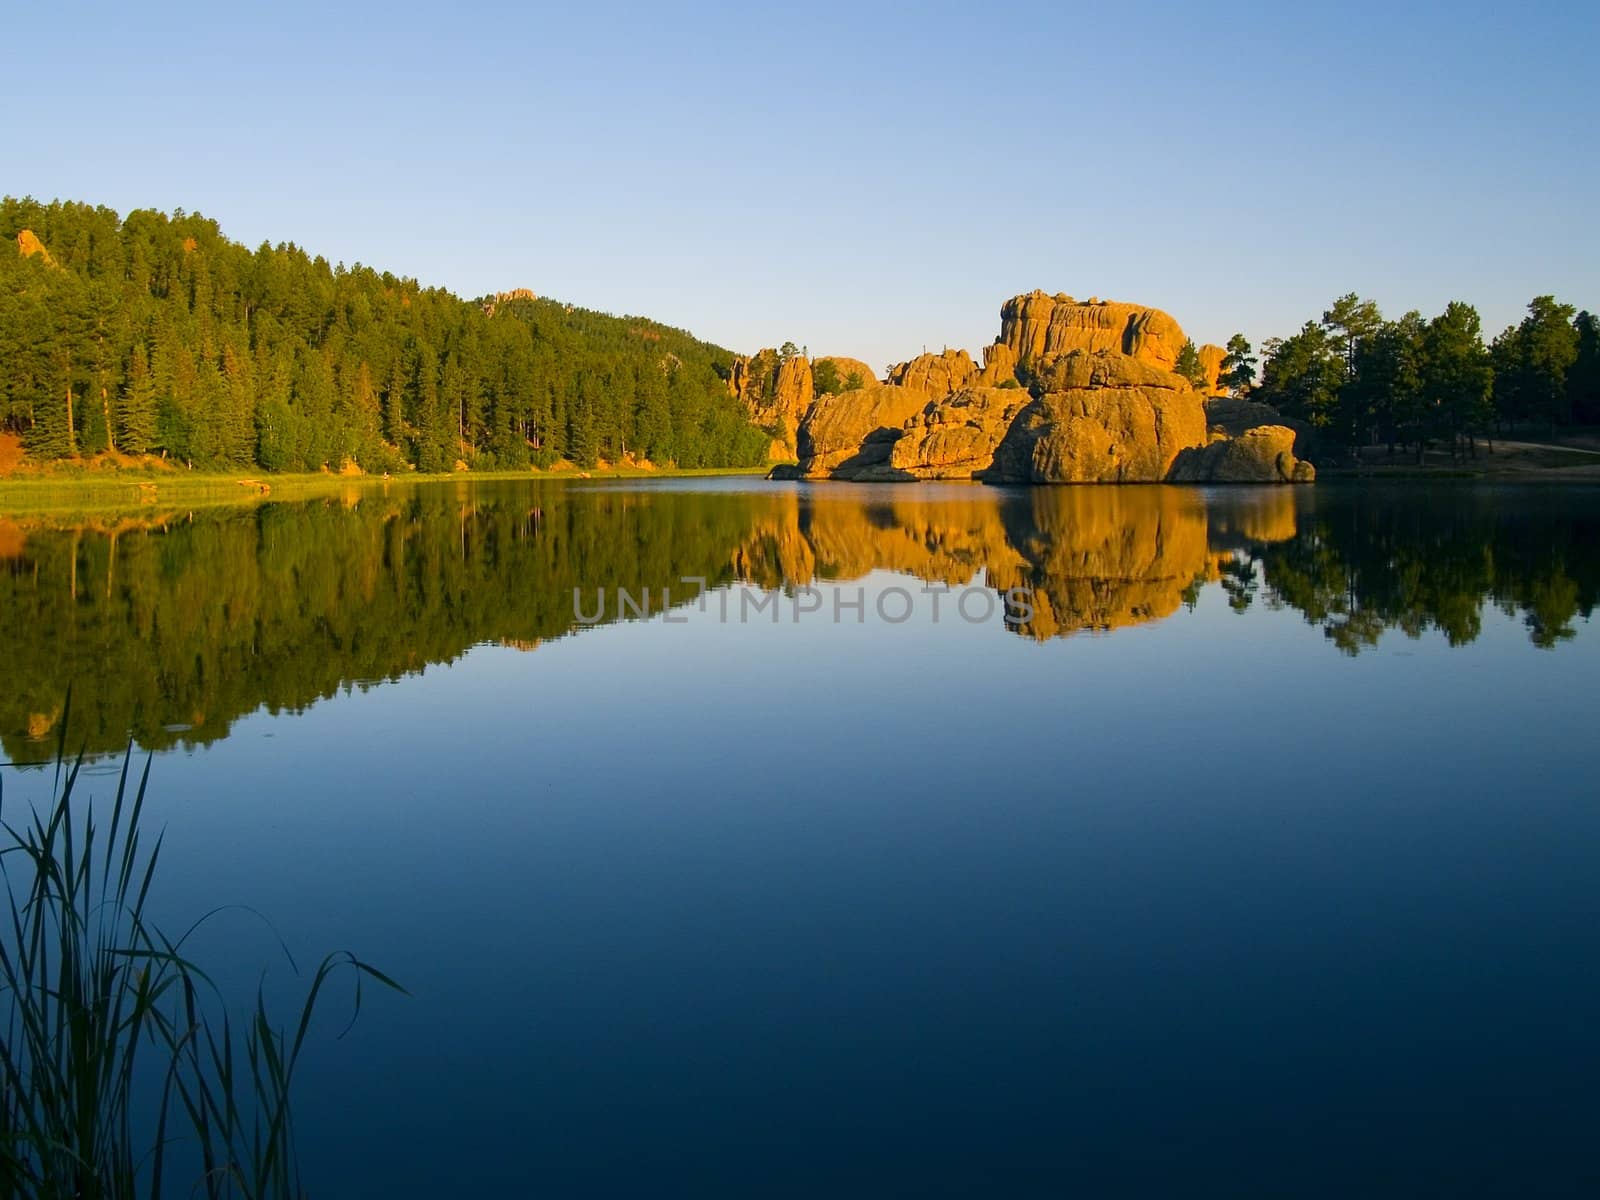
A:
(860, 178)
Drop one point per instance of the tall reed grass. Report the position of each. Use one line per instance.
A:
(122, 1073)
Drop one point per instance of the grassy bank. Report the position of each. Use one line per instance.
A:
(1574, 460)
(103, 491)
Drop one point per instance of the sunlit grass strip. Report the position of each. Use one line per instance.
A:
(85, 493)
(99, 1009)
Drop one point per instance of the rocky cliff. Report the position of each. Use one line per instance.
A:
(776, 392)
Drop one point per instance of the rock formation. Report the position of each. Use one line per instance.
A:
(1264, 454)
(936, 374)
(1102, 405)
(1248, 442)
(846, 434)
(28, 245)
(500, 298)
(1039, 328)
(955, 438)
(999, 366)
(1103, 418)
(791, 392)
(776, 392)
(1211, 357)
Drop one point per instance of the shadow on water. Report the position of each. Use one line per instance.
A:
(173, 625)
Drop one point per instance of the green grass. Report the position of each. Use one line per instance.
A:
(121, 491)
(103, 1014)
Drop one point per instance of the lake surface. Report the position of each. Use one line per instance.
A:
(1192, 842)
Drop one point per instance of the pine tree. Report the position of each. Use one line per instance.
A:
(1583, 380)
(1238, 373)
(1549, 345)
(136, 405)
(1188, 364)
(1457, 377)
(653, 419)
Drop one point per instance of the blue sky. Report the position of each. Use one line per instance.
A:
(863, 178)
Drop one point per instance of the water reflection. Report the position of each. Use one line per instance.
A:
(172, 625)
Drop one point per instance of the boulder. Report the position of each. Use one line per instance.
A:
(1105, 418)
(1234, 416)
(936, 374)
(955, 438)
(1039, 328)
(1264, 454)
(844, 434)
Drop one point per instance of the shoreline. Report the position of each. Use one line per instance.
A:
(49, 492)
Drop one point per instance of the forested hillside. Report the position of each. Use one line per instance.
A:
(155, 334)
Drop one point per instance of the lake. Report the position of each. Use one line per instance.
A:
(747, 838)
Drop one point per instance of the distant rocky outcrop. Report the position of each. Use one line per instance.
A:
(29, 245)
(499, 298)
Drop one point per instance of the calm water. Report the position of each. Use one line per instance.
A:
(1242, 842)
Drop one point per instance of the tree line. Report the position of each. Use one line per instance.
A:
(154, 334)
(1363, 380)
